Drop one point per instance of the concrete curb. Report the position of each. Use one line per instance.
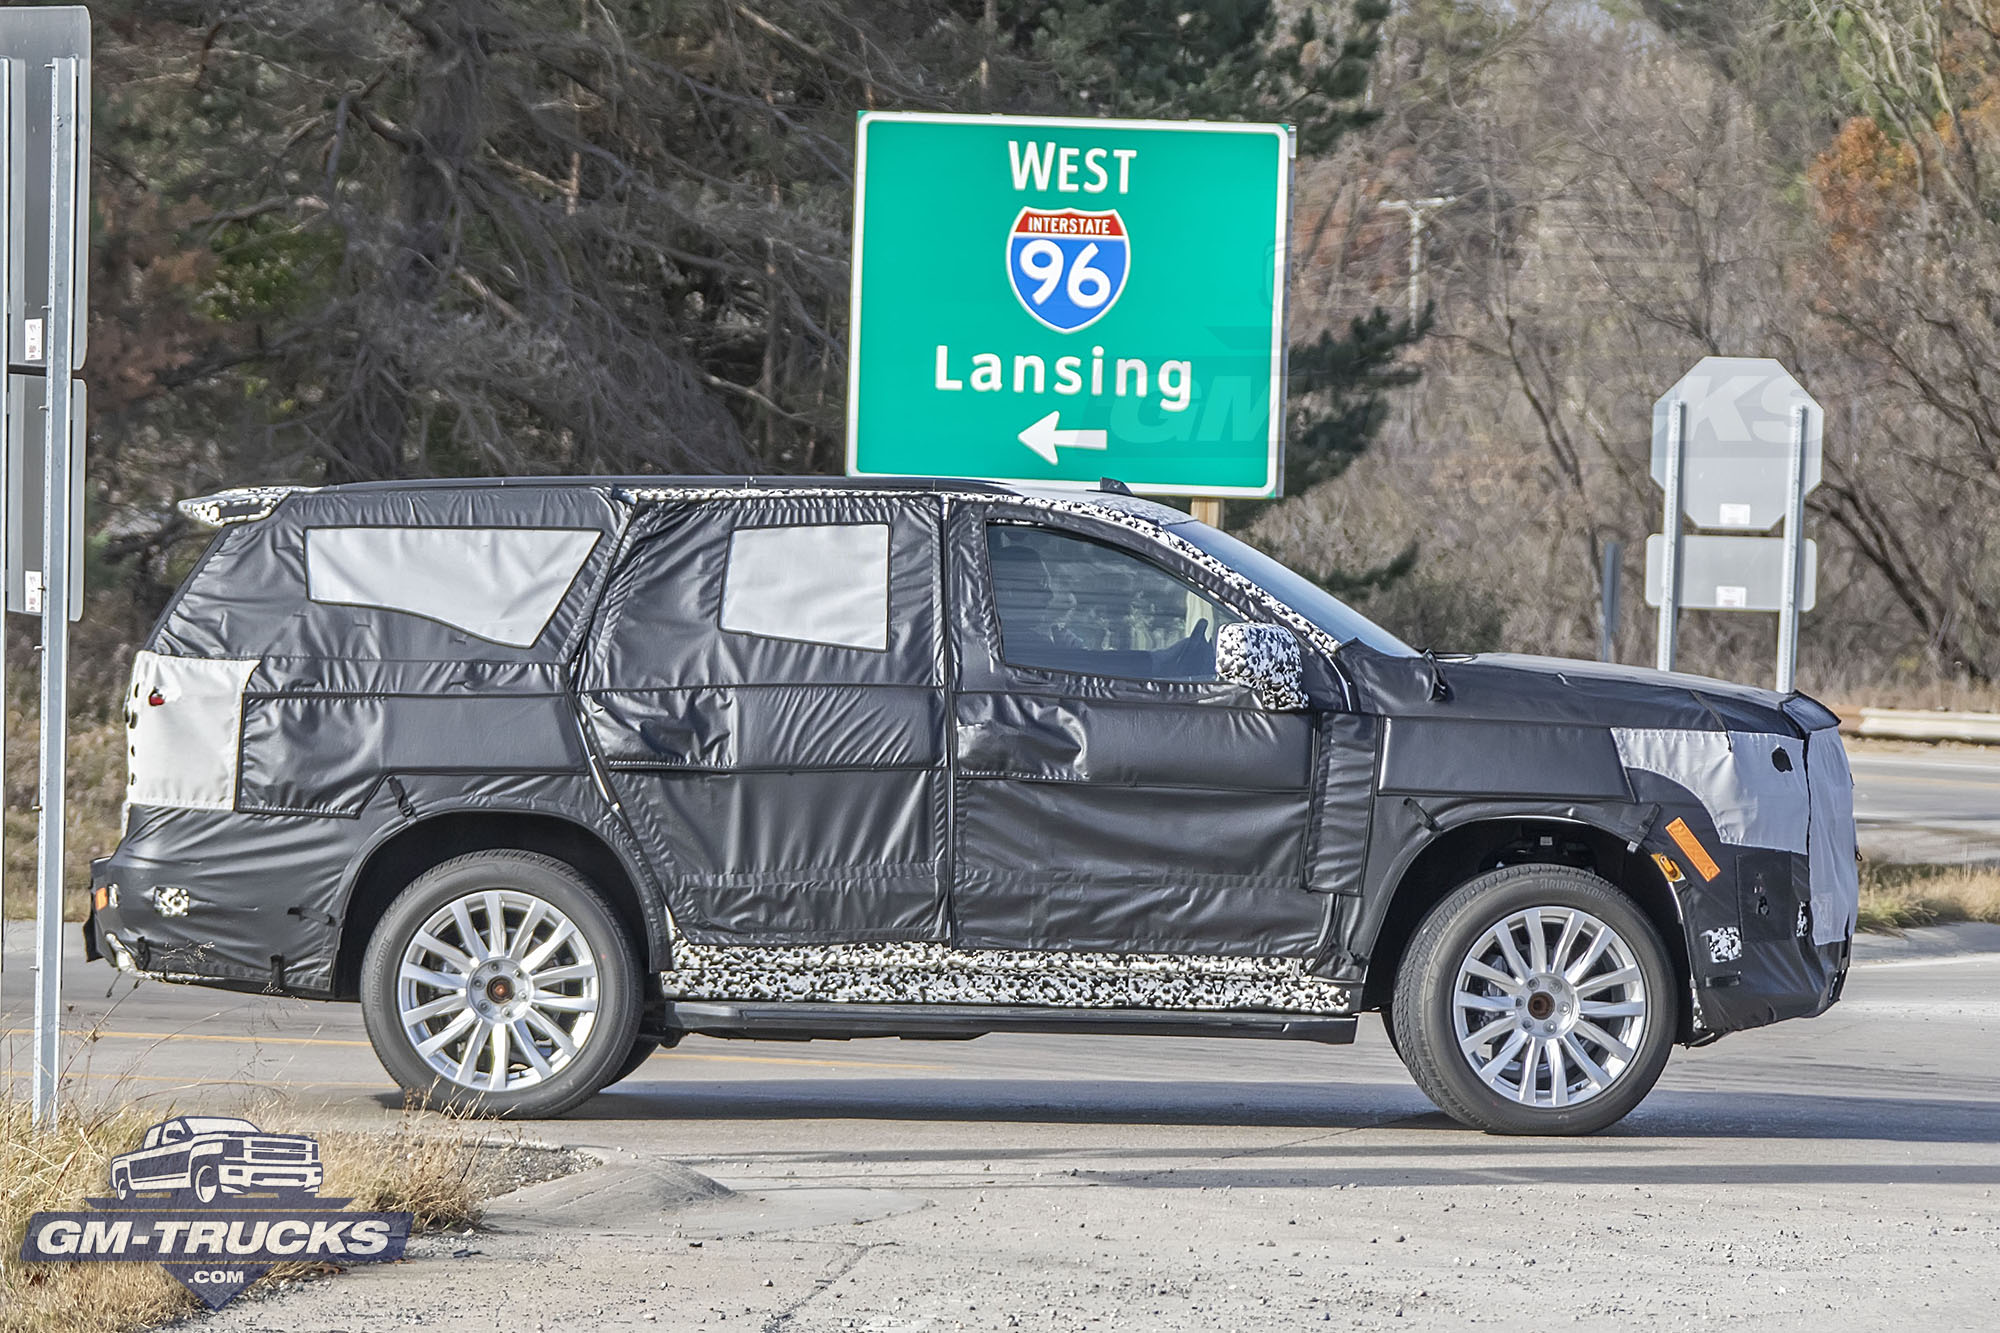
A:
(1921, 724)
(1957, 942)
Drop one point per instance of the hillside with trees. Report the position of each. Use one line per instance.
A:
(353, 239)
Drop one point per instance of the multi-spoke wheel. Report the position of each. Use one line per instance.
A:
(502, 982)
(1536, 1000)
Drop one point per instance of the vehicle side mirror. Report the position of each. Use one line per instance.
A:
(1263, 658)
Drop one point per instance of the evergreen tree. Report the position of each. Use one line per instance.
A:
(343, 240)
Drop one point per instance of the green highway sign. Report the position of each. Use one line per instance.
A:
(1040, 300)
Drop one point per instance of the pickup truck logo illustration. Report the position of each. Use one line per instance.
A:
(216, 1202)
(212, 1156)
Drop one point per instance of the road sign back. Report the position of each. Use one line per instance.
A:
(1731, 573)
(1061, 300)
(31, 37)
(1739, 439)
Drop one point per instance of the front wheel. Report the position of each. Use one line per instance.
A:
(501, 983)
(1536, 999)
(642, 1051)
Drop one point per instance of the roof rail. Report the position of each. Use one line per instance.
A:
(243, 504)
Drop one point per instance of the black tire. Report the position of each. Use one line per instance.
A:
(614, 1029)
(207, 1183)
(642, 1051)
(1424, 1017)
(121, 1182)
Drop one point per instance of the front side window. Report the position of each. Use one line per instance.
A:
(1071, 604)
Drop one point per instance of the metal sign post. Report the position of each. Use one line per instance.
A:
(56, 445)
(44, 236)
(1795, 516)
(1608, 577)
(9, 160)
(1670, 598)
(1736, 446)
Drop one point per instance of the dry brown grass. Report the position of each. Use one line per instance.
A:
(96, 795)
(415, 1167)
(419, 1167)
(1894, 897)
(56, 1166)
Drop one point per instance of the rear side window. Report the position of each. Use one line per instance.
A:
(501, 584)
(825, 583)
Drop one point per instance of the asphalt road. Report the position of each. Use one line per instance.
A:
(1927, 804)
(1837, 1172)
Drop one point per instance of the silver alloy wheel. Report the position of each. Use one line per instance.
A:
(1549, 1007)
(497, 991)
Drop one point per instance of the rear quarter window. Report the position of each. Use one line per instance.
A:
(500, 584)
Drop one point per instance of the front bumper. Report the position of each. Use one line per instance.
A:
(1766, 968)
(272, 1175)
(1751, 932)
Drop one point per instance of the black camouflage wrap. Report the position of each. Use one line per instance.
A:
(921, 822)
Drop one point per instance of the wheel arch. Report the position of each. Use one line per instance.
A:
(1456, 852)
(410, 849)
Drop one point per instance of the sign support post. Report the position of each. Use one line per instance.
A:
(1737, 445)
(1795, 516)
(8, 286)
(1609, 571)
(1670, 600)
(56, 445)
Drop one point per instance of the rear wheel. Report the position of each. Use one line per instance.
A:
(1536, 1000)
(502, 983)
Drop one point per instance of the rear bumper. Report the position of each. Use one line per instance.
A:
(194, 896)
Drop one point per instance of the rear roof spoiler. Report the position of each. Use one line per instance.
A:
(244, 504)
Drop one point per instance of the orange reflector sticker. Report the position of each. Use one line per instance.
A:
(102, 896)
(1684, 839)
(1668, 867)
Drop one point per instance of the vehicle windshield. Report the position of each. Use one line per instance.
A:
(206, 1124)
(1295, 590)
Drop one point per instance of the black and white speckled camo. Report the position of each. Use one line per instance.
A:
(243, 504)
(1264, 657)
(923, 973)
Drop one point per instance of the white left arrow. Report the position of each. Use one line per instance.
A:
(1045, 437)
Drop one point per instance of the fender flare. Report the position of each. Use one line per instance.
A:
(1629, 822)
(647, 890)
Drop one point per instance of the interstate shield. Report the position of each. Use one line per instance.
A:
(1068, 266)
